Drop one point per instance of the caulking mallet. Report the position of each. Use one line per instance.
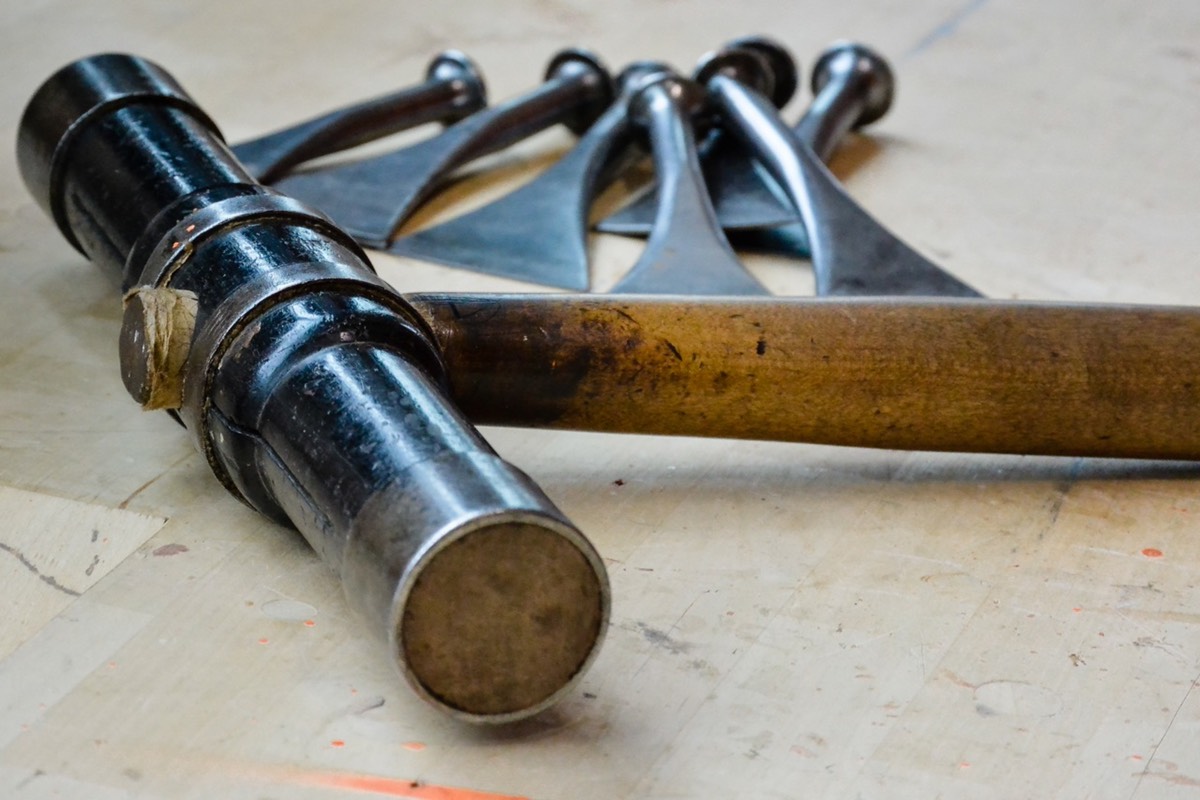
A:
(315, 392)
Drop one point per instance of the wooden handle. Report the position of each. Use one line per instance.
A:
(916, 374)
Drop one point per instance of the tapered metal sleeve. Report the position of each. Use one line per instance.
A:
(315, 392)
(939, 374)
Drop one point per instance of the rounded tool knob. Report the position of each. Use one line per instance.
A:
(455, 66)
(783, 65)
(866, 73)
(575, 62)
(745, 65)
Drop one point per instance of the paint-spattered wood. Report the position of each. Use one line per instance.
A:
(959, 375)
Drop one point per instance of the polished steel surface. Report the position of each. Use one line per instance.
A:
(852, 253)
(852, 86)
(687, 253)
(538, 232)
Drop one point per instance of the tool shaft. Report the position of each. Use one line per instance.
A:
(921, 374)
(452, 90)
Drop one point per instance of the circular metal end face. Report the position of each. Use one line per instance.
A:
(575, 62)
(784, 70)
(502, 620)
(454, 65)
(743, 65)
(865, 72)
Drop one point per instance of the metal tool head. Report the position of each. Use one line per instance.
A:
(852, 59)
(576, 61)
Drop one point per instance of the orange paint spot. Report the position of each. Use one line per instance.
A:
(964, 765)
(112, 665)
(337, 743)
(308, 623)
(190, 228)
(398, 787)
(1077, 609)
(174, 245)
(264, 640)
(353, 690)
(1135, 757)
(1152, 552)
(416, 747)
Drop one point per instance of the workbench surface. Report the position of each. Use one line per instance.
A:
(788, 620)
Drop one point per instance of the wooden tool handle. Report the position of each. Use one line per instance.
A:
(917, 374)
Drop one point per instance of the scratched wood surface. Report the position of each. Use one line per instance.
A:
(788, 620)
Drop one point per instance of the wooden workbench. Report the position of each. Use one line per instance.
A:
(789, 620)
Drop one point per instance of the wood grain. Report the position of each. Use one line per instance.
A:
(957, 375)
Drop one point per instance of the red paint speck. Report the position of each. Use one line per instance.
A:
(1135, 757)
(174, 245)
(1152, 552)
(337, 743)
(190, 228)
(1077, 609)
(308, 623)
(416, 747)
(112, 665)
(964, 765)
(264, 640)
